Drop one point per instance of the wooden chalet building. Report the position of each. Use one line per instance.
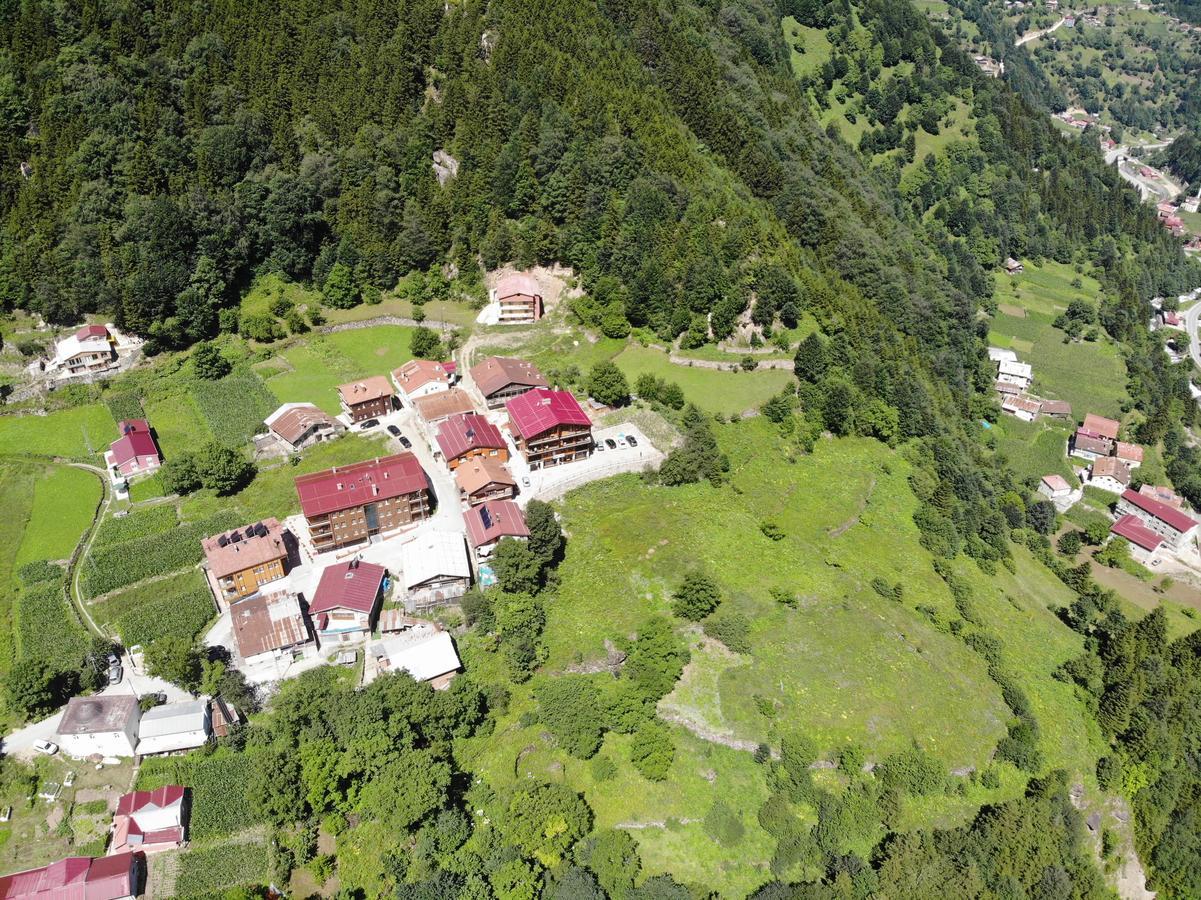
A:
(348, 504)
(485, 479)
(245, 558)
(500, 378)
(366, 398)
(299, 425)
(467, 436)
(549, 427)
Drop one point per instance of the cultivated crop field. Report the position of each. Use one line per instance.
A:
(217, 811)
(1034, 449)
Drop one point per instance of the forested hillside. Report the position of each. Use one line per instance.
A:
(670, 154)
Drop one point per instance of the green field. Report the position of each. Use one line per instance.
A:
(64, 501)
(78, 433)
(713, 390)
(843, 666)
(178, 424)
(16, 502)
(1035, 449)
(809, 47)
(1089, 375)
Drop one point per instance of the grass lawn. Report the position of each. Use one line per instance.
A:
(1034, 449)
(267, 287)
(845, 665)
(146, 489)
(1089, 375)
(78, 433)
(64, 500)
(376, 350)
(178, 423)
(272, 493)
(713, 390)
(809, 48)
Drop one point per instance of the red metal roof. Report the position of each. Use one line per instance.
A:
(1167, 514)
(139, 800)
(1136, 532)
(91, 331)
(493, 520)
(343, 487)
(539, 410)
(344, 587)
(73, 878)
(135, 441)
(465, 432)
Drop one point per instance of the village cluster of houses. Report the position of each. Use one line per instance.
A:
(1013, 385)
(471, 426)
(144, 822)
(1153, 519)
(1169, 217)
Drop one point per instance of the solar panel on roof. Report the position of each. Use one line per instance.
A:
(486, 516)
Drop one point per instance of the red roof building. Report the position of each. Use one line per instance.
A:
(135, 452)
(550, 427)
(420, 378)
(1144, 541)
(500, 378)
(77, 878)
(464, 436)
(347, 504)
(1173, 525)
(150, 820)
(345, 601)
(92, 331)
(1100, 427)
(491, 521)
(366, 398)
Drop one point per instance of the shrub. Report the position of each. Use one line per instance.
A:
(732, 629)
(652, 751)
(723, 825)
(40, 570)
(696, 597)
(570, 706)
(607, 384)
(913, 771)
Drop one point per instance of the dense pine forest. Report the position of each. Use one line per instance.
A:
(668, 154)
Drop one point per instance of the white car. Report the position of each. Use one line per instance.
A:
(47, 747)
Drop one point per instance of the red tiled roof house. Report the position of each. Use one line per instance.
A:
(491, 521)
(420, 378)
(549, 427)
(78, 878)
(346, 600)
(468, 436)
(149, 821)
(500, 378)
(1177, 528)
(135, 451)
(348, 504)
(519, 298)
(366, 398)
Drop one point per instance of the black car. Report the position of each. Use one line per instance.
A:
(394, 431)
(610, 443)
(630, 440)
(370, 423)
(405, 442)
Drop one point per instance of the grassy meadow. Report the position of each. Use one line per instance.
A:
(64, 501)
(844, 666)
(1089, 375)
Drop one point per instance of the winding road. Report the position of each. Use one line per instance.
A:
(1034, 35)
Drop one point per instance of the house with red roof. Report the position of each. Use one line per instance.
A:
(1144, 543)
(420, 378)
(90, 349)
(549, 427)
(500, 378)
(467, 436)
(519, 299)
(491, 521)
(366, 398)
(1053, 487)
(298, 425)
(1130, 454)
(116, 877)
(348, 504)
(1109, 474)
(346, 600)
(1099, 427)
(135, 452)
(1176, 527)
(149, 821)
(485, 479)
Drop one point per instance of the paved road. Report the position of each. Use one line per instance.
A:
(1192, 320)
(20, 742)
